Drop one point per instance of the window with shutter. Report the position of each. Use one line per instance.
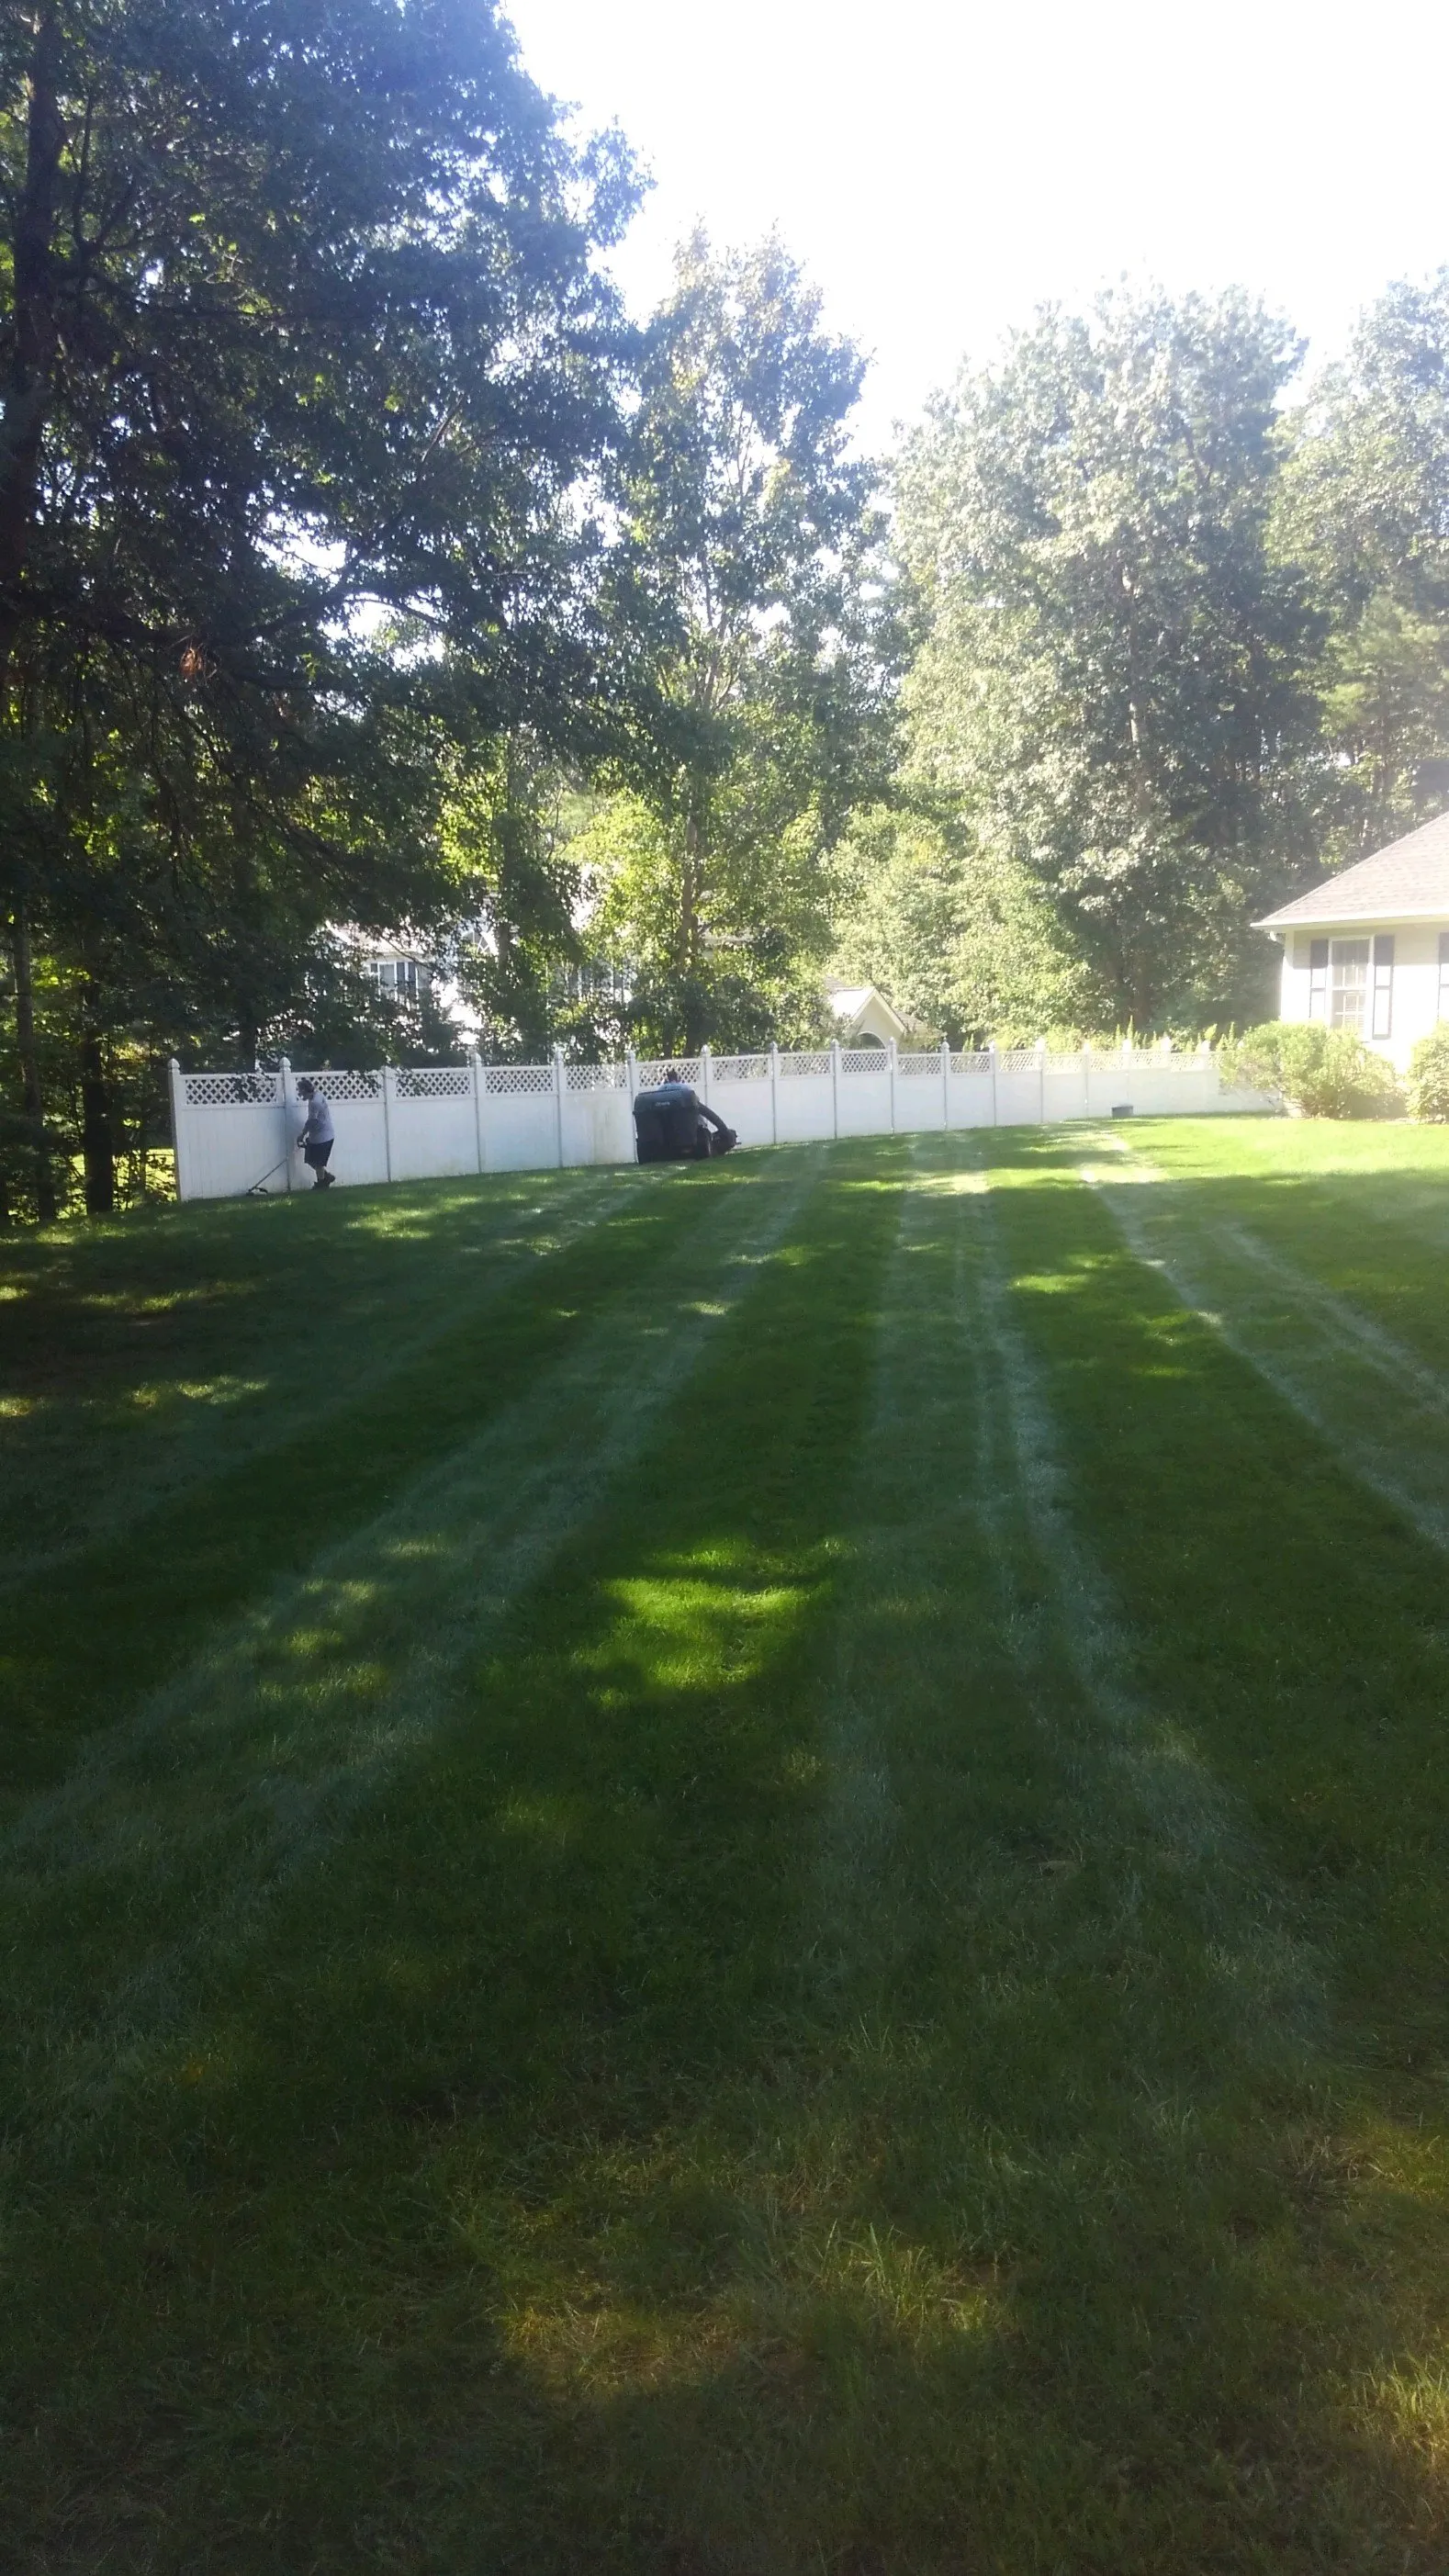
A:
(1348, 983)
(1318, 979)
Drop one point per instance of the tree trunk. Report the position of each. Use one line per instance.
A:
(98, 1150)
(29, 376)
(32, 1095)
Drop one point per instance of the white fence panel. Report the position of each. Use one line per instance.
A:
(1020, 1099)
(231, 1131)
(971, 1091)
(920, 1092)
(597, 1114)
(520, 1118)
(805, 1098)
(864, 1094)
(432, 1122)
(740, 1091)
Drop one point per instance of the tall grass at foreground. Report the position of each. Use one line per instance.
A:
(801, 1929)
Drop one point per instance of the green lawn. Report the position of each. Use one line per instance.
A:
(735, 1870)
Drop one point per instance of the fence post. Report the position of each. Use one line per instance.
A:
(289, 1112)
(704, 1075)
(774, 1093)
(476, 1061)
(835, 1087)
(945, 1087)
(891, 1061)
(558, 1100)
(1041, 1081)
(177, 1090)
(995, 1103)
(387, 1100)
(1086, 1077)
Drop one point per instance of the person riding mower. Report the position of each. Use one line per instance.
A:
(673, 1125)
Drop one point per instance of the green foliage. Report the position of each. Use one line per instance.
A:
(1363, 507)
(960, 937)
(1427, 1087)
(1321, 1072)
(754, 545)
(1111, 670)
(308, 369)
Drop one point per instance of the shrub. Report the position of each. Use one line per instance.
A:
(1323, 1073)
(1428, 1083)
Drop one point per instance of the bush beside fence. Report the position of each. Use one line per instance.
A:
(235, 1132)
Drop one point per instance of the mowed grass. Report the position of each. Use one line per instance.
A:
(737, 1869)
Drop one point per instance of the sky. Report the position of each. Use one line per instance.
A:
(941, 171)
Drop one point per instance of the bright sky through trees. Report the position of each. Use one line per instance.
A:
(941, 169)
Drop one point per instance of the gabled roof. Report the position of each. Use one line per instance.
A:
(1409, 881)
(850, 1002)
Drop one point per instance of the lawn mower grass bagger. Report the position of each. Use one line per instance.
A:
(672, 1125)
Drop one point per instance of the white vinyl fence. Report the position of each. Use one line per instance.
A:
(236, 1131)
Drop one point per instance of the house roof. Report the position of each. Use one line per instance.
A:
(849, 1002)
(1409, 881)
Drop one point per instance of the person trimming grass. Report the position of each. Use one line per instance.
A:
(316, 1138)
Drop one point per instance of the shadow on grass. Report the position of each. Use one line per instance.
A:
(82, 1644)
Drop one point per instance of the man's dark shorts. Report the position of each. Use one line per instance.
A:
(315, 1156)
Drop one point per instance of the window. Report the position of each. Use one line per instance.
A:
(400, 975)
(1348, 983)
(1383, 1019)
(1318, 979)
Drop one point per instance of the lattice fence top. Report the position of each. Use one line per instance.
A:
(652, 1070)
(231, 1090)
(971, 1063)
(434, 1082)
(739, 1068)
(505, 1080)
(914, 1066)
(1018, 1060)
(596, 1077)
(864, 1060)
(346, 1086)
(799, 1065)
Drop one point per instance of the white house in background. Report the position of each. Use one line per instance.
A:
(1369, 949)
(406, 970)
(864, 1018)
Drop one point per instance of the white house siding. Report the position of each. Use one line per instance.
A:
(1414, 992)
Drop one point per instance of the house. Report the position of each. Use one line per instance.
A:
(864, 1018)
(1369, 949)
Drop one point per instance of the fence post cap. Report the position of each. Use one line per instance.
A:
(284, 1064)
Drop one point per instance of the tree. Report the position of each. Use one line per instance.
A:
(1363, 506)
(751, 535)
(960, 938)
(1110, 688)
(306, 363)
